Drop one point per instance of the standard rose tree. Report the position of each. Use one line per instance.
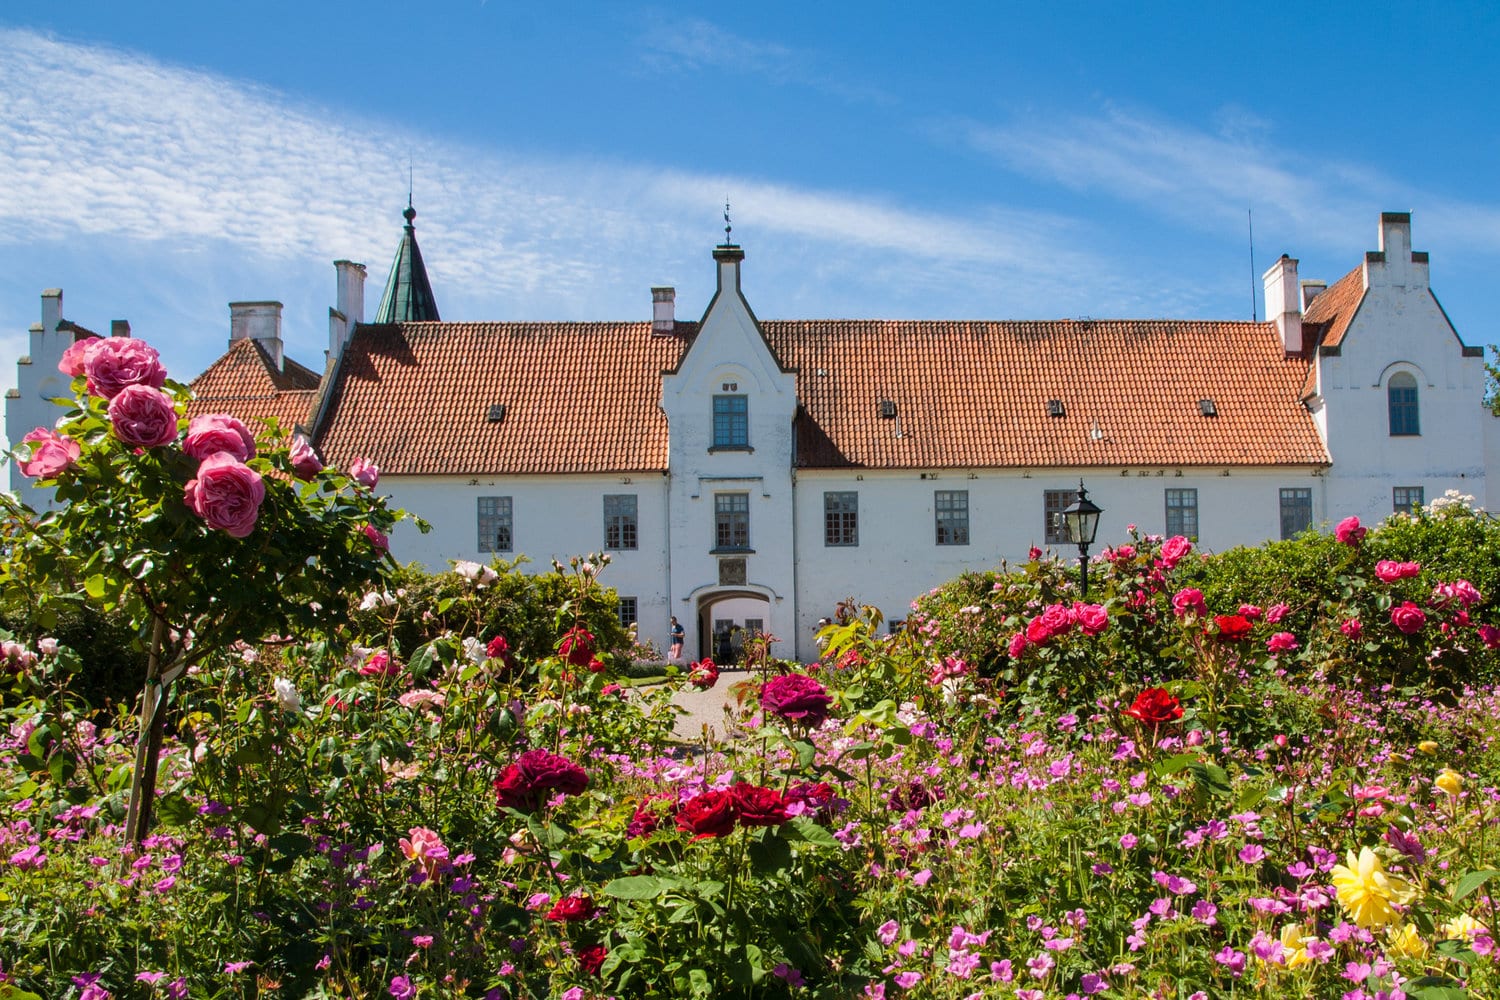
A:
(201, 536)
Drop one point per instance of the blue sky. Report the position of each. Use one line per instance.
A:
(998, 161)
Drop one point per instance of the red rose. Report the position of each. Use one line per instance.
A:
(1037, 632)
(591, 959)
(577, 646)
(524, 784)
(571, 908)
(1408, 618)
(703, 674)
(711, 814)
(1155, 706)
(212, 433)
(796, 696)
(759, 806)
(647, 816)
(143, 417)
(1232, 628)
(51, 454)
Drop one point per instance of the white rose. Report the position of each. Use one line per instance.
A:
(287, 698)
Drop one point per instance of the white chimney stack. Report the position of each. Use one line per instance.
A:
(51, 309)
(1283, 303)
(258, 321)
(663, 311)
(350, 307)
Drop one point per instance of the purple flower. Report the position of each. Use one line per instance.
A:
(797, 697)
(1252, 854)
(1232, 960)
(402, 988)
(1406, 843)
(1092, 983)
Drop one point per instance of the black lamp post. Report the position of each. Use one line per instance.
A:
(1082, 519)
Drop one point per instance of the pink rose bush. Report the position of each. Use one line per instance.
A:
(213, 433)
(227, 494)
(113, 364)
(143, 417)
(51, 454)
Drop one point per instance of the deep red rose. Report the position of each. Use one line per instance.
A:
(1408, 618)
(497, 648)
(711, 814)
(796, 696)
(571, 908)
(703, 674)
(1232, 628)
(524, 784)
(591, 959)
(913, 795)
(759, 806)
(647, 816)
(596, 665)
(1155, 706)
(577, 646)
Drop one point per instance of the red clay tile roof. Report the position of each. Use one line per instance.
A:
(585, 397)
(246, 383)
(1331, 311)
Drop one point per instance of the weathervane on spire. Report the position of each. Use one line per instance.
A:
(727, 227)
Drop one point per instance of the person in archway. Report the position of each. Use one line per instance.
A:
(678, 633)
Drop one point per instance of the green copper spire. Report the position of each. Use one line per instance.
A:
(408, 294)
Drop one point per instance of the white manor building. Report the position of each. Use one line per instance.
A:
(758, 472)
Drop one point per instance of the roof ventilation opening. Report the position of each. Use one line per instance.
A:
(888, 409)
(1055, 408)
(1208, 408)
(496, 413)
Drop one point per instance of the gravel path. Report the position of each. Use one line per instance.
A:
(706, 708)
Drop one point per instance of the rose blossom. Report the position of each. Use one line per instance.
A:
(796, 696)
(1352, 628)
(1092, 618)
(703, 674)
(305, 461)
(1408, 618)
(577, 646)
(51, 454)
(378, 538)
(711, 814)
(210, 433)
(1282, 642)
(1018, 644)
(113, 364)
(1155, 706)
(571, 908)
(364, 472)
(1349, 532)
(143, 417)
(1232, 627)
(1490, 636)
(758, 806)
(425, 847)
(1276, 612)
(646, 818)
(1173, 549)
(1388, 571)
(76, 356)
(1189, 600)
(523, 784)
(227, 494)
(287, 698)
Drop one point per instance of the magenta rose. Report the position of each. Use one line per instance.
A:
(1018, 644)
(1282, 642)
(1276, 612)
(1352, 628)
(305, 461)
(1349, 531)
(1388, 571)
(76, 356)
(1490, 636)
(1408, 618)
(378, 538)
(1037, 631)
(212, 433)
(364, 472)
(1058, 619)
(796, 696)
(535, 774)
(1092, 618)
(1173, 549)
(227, 494)
(143, 417)
(51, 453)
(1189, 600)
(113, 364)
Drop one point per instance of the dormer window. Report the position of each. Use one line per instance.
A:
(1401, 401)
(731, 422)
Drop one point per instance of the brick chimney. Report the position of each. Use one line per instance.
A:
(258, 321)
(1283, 302)
(663, 311)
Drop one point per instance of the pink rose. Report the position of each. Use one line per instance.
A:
(1018, 644)
(1408, 618)
(1251, 611)
(1461, 591)
(305, 461)
(1282, 642)
(1173, 549)
(1034, 553)
(1189, 600)
(364, 472)
(143, 417)
(51, 453)
(1037, 631)
(1490, 636)
(1388, 571)
(380, 664)
(76, 356)
(1352, 628)
(1276, 612)
(378, 538)
(1349, 532)
(227, 494)
(1092, 618)
(215, 432)
(117, 362)
(1058, 619)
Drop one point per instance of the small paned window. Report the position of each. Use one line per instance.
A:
(1054, 502)
(1405, 498)
(1182, 513)
(495, 525)
(840, 519)
(1296, 511)
(951, 508)
(627, 609)
(1401, 400)
(731, 422)
(619, 521)
(731, 521)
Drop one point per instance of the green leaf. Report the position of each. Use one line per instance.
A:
(1172, 765)
(11, 992)
(639, 887)
(1472, 881)
(1211, 778)
(803, 829)
(768, 856)
(94, 586)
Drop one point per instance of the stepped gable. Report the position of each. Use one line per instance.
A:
(417, 398)
(976, 394)
(246, 383)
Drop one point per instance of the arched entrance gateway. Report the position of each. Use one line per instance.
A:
(727, 618)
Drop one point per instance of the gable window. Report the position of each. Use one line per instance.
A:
(1401, 401)
(626, 610)
(1405, 498)
(1054, 502)
(1296, 511)
(495, 527)
(731, 521)
(619, 521)
(731, 422)
(840, 519)
(952, 510)
(1182, 513)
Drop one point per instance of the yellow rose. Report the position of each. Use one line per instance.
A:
(1404, 940)
(1295, 943)
(1462, 927)
(1367, 892)
(1449, 781)
(1428, 746)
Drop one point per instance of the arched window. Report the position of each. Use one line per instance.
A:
(1401, 400)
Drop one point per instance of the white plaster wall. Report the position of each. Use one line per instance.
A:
(1491, 496)
(38, 381)
(553, 517)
